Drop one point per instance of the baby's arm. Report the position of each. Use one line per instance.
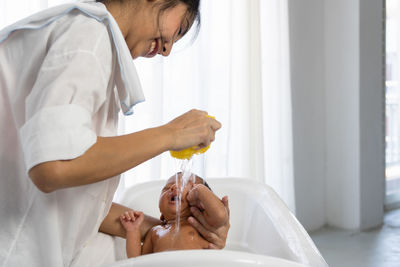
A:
(209, 204)
(147, 243)
(131, 220)
(112, 223)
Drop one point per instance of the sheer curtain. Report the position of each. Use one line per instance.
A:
(13, 10)
(237, 69)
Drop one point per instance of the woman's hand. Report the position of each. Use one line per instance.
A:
(216, 236)
(191, 129)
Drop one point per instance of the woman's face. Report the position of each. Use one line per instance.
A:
(150, 32)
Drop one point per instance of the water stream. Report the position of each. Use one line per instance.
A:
(185, 166)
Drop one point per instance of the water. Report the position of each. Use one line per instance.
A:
(185, 166)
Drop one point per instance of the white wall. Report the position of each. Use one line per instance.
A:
(342, 113)
(307, 70)
(337, 86)
(372, 118)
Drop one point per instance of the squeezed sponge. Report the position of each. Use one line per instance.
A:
(189, 152)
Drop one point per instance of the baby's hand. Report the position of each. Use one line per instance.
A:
(193, 196)
(131, 220)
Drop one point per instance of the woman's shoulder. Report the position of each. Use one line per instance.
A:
(78, 32)
(80, 26)
(80, 19)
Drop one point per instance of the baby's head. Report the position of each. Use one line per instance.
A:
(170, 193)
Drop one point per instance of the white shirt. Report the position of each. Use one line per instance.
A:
(58, 93)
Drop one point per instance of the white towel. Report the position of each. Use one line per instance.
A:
(127, 81)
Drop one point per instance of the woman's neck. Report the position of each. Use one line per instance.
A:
(122, 13)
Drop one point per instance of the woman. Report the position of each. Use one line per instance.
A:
(58, 115)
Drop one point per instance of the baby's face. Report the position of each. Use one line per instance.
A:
(170, 196)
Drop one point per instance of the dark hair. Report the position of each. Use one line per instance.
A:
(202, 180)
(205, 183)
(193, 10)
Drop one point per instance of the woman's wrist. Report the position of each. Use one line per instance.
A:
(167, 137)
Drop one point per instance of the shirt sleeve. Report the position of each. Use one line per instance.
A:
(70, 88)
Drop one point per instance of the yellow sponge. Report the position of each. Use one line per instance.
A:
(189, 152)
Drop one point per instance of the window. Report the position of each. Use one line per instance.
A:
(392, 101)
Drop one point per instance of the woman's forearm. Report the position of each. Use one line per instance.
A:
(108, 157)
(111, 156)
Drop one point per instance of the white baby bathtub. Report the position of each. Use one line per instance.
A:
(263, 231)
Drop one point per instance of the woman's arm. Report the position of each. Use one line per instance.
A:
(111, 156)
(112, 224)
(108, 157)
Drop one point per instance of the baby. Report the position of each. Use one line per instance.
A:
(165, 236)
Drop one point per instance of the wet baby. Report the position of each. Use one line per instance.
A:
(167, 236)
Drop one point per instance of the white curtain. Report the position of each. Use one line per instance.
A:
(14, 10)
(237, 69)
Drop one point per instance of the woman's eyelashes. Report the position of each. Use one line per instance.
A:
(179, 34)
